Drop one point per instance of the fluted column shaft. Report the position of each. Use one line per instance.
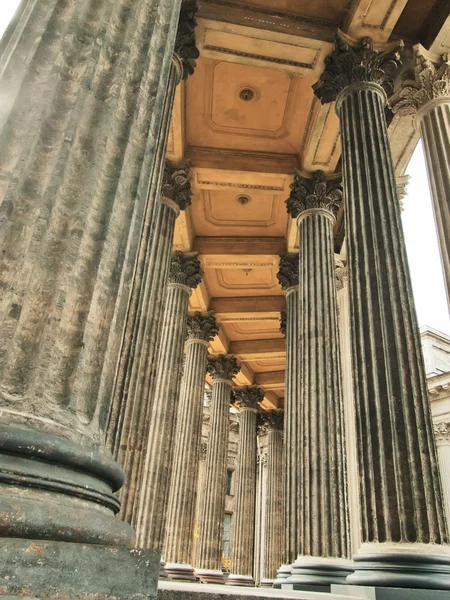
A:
(152, 500)
(323, 523)
(392, 405)
(77, 157)
(273, 525)
(209, 551)
(434, 123)
(183, 488)
(243, 531)
(442, 435)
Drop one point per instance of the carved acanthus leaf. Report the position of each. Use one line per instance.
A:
(202, 327)
(316, 192)
(185, 47)
(177, 183)
(288, 271)
(349, 64)
(185, 269)
(431, 81)
(224, 366)
(341, 274)
(442, 432)
(249, 397)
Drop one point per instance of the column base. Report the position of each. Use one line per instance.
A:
(402, 570)
(34, 568)
(267, 583)
(283, 573)
(180, 572)
(387, 593)
(311, 573)
(210, 576)
(240, 580)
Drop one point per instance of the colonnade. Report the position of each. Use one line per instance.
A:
(94, 306)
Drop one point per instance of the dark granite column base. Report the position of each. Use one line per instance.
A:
(48, 569)
(180, 572)
(401, 570)
(210, 576)
(240, 580)
(283, 573)
(388, 593)
(267, 583)
(317, 574)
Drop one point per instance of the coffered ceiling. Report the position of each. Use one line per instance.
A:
(245, 120)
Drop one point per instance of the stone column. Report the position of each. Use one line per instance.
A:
(273, 525)
(209, 552)
(134, 386)
(428, 97)
(243, 532)
(349, 405)
(403, 526)
(288, 278)
(184, 274)
(83, 86)
(183, 487)
(442, 436)
(324, 520)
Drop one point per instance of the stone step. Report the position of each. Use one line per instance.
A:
(173, 590)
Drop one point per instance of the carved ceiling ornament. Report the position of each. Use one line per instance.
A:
(249, 397)
(283, 321)
(185, 269)
(361, 63)
(313, 193)
(431, 82)
(442, 432)
(288, 271)
(177, 184)
(224, 366)
(185, 47)
(202, 327)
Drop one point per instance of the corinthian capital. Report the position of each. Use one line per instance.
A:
(249, 397)
(288, 271)
(202, 327)
(185, 47)
(185, 269)
(442, 432)
(341, 274)
(177, 184)
(283, 321)
(224, 366)
(316, 192)
(431, 82)
(349, 64)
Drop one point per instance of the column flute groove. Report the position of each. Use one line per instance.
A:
(183, 487)
(243, 532)
(403, 527)
(209, 553)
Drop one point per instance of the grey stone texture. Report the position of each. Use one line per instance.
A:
(401, 498)
(183, 488)
(185, 273)
(208, 565)
(243, 529)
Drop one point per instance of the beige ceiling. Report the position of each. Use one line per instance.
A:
(245, 119)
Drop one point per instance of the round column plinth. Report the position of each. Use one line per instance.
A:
(401, 569)
(241, 580)
(320, 571)
(283, 573)
(180, 572)
(210, 576)
(267, 583)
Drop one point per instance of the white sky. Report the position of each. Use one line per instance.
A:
(418, 224)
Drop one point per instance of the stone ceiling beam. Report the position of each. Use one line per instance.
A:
(374, 19)
(259, 349)
(210, 247)
(271, 380)
(248, 308)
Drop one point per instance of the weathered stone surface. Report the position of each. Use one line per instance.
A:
(209, 553)
(401, 500)
(34, 568)
(243, 532)
(183, 487)
(184, 273)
